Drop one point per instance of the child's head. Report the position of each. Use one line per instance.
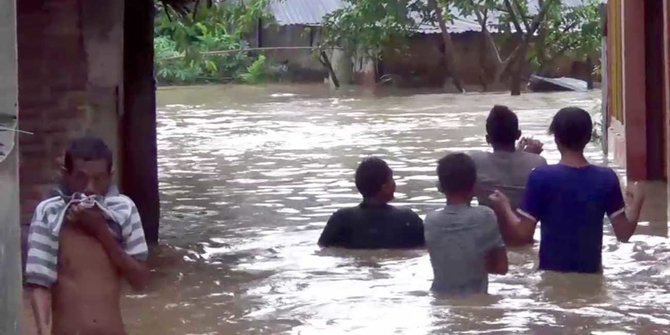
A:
(374, 180)
(88, 166)
(572, 129)
(502, 127)
(457, 175)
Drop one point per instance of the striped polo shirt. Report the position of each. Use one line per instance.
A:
(42, 259)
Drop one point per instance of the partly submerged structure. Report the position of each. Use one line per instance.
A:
(297, 28)
(638, 86)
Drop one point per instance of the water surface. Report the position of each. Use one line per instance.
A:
(249, 175)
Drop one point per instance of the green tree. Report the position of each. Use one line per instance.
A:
(369, 26)
(541, 37)
(574, 31)
(189, 41)
(515, 21)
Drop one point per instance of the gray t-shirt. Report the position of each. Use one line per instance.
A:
(505, 171)
(458, 239)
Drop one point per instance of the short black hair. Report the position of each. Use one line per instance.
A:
(372, 173)
(87, 149)
(457, 173)
(502, 125)
(572, 128)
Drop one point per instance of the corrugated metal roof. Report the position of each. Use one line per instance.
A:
(312, 12)
(303, 12)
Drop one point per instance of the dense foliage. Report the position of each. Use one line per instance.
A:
(208, 45)
(368, 26)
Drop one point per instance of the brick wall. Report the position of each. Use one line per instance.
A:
(70, 75)
(52, 91)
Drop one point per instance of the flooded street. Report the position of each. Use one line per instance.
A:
(249, 176)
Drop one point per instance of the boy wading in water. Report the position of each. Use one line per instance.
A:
(570, 199)
(464, 242)
(75, 276)
(507, 167)
(374, 224)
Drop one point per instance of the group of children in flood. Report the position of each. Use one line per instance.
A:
(516, 189)
(87, 237)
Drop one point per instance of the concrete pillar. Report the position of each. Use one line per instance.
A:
(102, 33)
(369, 73)
(10, 256)
(342, 66)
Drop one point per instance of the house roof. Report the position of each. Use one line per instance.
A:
(312, 12)
(303, 12)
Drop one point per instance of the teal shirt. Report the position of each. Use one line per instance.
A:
(458, 239)
(373, 226)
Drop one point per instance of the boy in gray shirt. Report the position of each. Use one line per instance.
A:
(464, 242)
(506, 168)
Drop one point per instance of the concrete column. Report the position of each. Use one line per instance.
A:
(634, 89)
(10, 254)
(342, 66)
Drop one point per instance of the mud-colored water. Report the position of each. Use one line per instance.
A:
(249, 175)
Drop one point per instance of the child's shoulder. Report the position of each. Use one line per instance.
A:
(471, 211)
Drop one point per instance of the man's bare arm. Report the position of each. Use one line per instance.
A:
(518, 228)
(625, 223)
(496, 261)
(94, 223)
(40, 301)
(135, 272)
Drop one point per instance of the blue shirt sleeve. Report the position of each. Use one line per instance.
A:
(614, 203)
(534, 199)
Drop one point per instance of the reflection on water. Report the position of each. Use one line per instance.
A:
(249, 176)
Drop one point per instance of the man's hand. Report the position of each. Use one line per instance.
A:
(90, 220)
(499, 200)
(634, 193)
(530, 145)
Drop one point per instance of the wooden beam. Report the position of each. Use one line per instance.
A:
(634, 89)
(139, 173)
(655, 95)
(666, 83)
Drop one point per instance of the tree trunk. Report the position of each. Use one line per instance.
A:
(450, 59)
(516, 68)
(589, 75)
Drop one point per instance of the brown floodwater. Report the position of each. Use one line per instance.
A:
(249, 176)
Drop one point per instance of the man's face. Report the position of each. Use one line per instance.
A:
(388, 189)
(89, 177)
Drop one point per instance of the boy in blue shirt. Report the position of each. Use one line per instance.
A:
(570, 199)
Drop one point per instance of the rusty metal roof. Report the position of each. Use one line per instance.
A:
(303, 12)
(312, 12)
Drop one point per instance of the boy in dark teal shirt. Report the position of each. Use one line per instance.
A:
(374, 224)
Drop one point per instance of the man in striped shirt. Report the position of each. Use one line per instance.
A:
(75, 268)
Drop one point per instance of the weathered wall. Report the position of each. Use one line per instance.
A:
(302, 63)
(70, 56)
(421, 62)
(10, 270)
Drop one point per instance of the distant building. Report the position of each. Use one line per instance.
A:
(299, 24)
